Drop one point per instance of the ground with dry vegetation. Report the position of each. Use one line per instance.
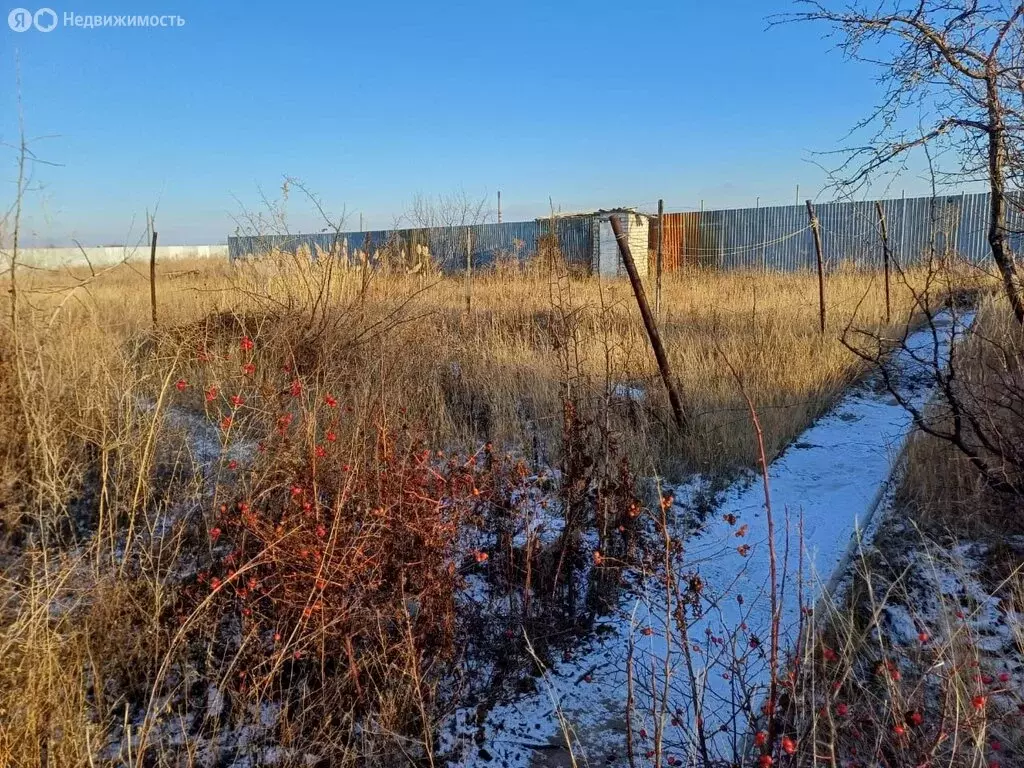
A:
(918, 660)
(246, 534)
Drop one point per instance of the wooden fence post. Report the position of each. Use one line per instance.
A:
(364, 277)
(658, 262)
(885, 258)
(152, 277)
(816, 231)
(469, 270)
(649, 324)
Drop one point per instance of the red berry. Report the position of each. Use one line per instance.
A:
(760, 739)
(788, 745)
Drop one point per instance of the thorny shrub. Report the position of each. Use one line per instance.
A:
(863, 694)
(342, 551)
(332, 561)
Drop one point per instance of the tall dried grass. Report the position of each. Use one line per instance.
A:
(494, 374)
(124, 448)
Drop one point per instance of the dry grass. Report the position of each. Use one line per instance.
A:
(131, 460)
(942, 487)
(919, 661)
(496, 374)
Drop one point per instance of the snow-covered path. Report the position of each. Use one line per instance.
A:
(824, 489)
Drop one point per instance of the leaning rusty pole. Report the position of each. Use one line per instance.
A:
(649, 323)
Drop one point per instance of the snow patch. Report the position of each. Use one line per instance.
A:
(824, 491)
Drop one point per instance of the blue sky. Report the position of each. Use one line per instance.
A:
(591, 104)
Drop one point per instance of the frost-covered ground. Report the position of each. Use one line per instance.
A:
(823, 489)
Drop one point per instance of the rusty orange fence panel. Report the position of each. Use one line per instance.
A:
(682, 242)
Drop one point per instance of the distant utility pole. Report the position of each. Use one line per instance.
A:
(798, 194)
(360, 221)
(499, 206)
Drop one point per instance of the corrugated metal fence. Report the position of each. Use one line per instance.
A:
(775, 237)
(446, 246)
(779, 237)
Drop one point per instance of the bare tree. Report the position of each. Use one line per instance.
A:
(955, 69)
(443, 218)
(952, 78)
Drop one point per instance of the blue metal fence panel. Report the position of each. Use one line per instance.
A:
(488, 243)
(510, 240)
(575, 238)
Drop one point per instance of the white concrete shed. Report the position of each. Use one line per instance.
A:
(606, 260)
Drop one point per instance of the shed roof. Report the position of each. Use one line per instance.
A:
(598, 212)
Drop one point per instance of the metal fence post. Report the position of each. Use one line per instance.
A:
(469, 270)
(658, 262)
(152, 277)
(885, 257)
(816, 231)
(649, 323)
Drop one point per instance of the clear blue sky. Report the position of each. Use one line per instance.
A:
(593, 104)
